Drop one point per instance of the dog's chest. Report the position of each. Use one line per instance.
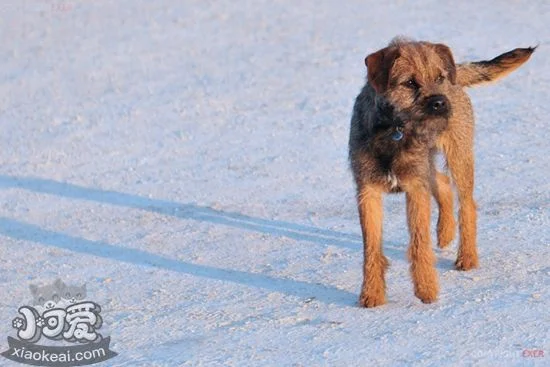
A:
(385, 165)
(392, 181)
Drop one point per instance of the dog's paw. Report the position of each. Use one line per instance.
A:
(427, 292)
(426, 296)
(465, 263)
(372, 299)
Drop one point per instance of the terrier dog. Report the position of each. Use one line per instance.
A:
(412, 106)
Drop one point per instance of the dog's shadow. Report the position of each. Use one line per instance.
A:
(19, 230)
(324, 293)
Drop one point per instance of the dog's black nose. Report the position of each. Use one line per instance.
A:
(437, 105)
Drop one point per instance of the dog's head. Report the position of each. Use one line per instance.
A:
(414, 77)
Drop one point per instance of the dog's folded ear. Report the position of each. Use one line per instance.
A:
(446, 55)
(379, 65)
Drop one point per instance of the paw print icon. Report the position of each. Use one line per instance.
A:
(18, 323)
(40, 322)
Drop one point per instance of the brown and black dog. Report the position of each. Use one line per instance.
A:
(412, 106)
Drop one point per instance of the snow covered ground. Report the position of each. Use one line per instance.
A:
(188, 161)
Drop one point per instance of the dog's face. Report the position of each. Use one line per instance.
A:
(414, 77)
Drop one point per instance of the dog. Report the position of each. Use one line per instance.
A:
(412, 106)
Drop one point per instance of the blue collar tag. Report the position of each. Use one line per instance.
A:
(397, 134)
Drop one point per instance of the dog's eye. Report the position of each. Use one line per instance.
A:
(440, 79)
(411, 83)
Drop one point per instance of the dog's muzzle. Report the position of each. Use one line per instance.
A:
(437, 105)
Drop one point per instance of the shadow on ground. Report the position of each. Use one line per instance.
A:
(23, 231)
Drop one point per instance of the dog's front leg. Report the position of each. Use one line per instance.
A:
(420, 252)
(369, 202)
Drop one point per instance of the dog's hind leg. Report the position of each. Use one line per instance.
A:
(443, 194)
(369, 203)
(420, 252)
(460, 158)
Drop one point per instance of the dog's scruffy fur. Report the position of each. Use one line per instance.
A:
(412, 106)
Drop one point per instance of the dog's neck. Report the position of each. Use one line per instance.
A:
(386, 119)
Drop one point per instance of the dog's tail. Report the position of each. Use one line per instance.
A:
(479, 72)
